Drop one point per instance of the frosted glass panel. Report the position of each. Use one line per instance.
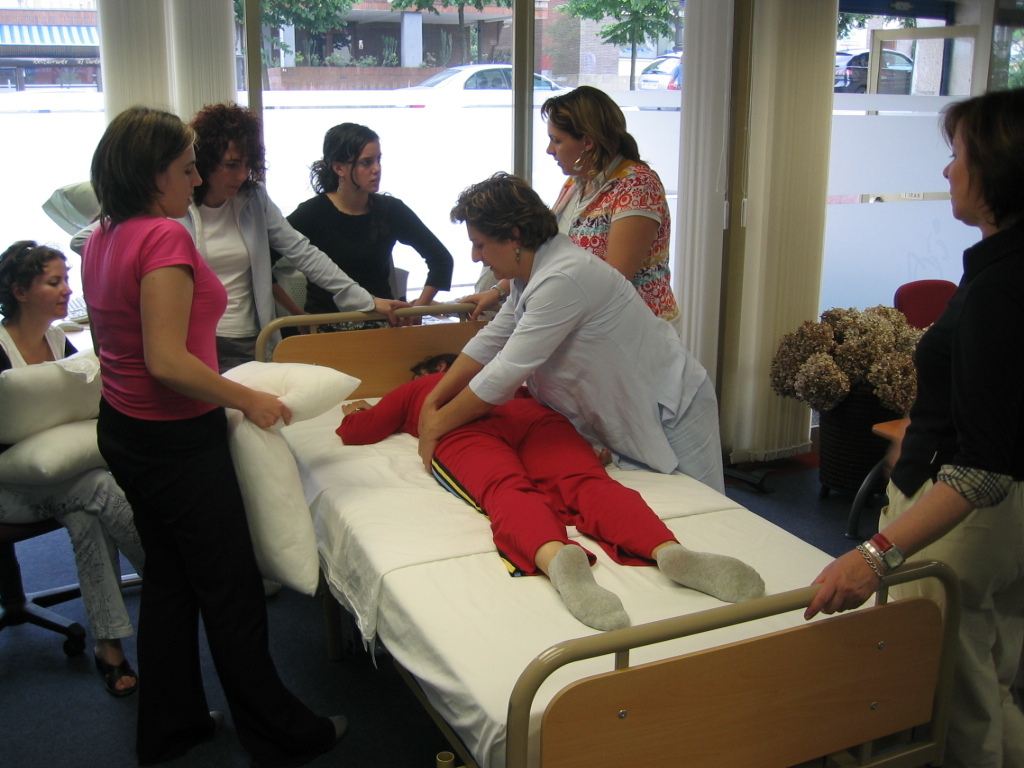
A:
(888, 148)
(871, 250)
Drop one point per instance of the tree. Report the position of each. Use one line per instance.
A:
(635, 22)
(851, 21)
(317, 18)
(429, 5)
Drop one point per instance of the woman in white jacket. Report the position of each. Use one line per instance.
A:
(240, 231)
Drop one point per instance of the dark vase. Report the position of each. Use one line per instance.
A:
(848, 448)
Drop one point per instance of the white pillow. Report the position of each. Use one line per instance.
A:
(279, 520)
(307, 390)
(37, 397)
(53, 455)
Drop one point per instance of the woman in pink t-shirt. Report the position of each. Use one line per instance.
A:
(154, 306)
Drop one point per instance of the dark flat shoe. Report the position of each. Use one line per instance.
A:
(216, 725)
(111, 673)
(340, 725)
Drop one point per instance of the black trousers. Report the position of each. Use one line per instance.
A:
(181, 484)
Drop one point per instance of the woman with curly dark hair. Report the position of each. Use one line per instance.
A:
(357, 227)
(34, 293)
(236, 227)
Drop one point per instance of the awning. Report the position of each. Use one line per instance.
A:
(39, 35)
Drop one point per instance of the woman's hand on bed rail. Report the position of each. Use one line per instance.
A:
(387, 308)
(846, 583)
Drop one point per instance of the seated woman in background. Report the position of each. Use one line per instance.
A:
(357, 227)
(530, 472)
(235, 225)
(34, 293)
(613, 204)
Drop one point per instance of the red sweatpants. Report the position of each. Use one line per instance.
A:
(527, 468)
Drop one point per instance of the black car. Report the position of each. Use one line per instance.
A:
(852, 72)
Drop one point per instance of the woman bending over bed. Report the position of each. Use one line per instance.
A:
(582, 339)
(530, 472)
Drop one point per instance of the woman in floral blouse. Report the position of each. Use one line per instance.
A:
(613, 204)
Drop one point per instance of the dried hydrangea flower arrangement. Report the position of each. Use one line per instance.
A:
(820, 362)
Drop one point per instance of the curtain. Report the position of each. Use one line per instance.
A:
(700, 218)
(782, 109)
(176, 55)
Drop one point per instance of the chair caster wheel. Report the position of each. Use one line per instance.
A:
(75, 644)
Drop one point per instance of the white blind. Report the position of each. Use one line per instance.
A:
(773, 267)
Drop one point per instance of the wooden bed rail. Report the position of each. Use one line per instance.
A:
(292, 321)
(901, 674)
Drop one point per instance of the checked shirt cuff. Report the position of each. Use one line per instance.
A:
(978, 486)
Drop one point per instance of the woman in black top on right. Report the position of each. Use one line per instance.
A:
(956, 492)
(357, 227)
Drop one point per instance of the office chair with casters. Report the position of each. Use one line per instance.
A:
(18, 608)
(922, 302)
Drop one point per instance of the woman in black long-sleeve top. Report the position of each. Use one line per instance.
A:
(357, 227)
(957, 491)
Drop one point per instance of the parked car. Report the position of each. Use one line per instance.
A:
(675, 82)
(852, 72)
(660, 73)
(476, 85)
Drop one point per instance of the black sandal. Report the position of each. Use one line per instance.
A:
(111, 673)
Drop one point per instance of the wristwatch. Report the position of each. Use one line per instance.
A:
(890, 555)
(502, 294)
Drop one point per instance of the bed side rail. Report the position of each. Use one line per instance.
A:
(292, 321)
(831, 685)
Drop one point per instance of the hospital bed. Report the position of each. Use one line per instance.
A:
(514, 680)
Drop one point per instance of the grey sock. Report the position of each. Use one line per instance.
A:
(717, 575)
(595, 606)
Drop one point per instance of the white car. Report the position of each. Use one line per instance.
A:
(475, 85)
(662, 73)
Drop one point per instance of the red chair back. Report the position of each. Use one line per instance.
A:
(922, 301)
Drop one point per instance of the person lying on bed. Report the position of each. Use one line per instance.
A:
(527, 468)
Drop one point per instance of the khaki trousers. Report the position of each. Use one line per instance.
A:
(986, 728)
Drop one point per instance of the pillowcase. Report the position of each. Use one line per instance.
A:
(37, 397)
(275, 504)
(53, 455)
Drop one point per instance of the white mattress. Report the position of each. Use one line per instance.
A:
(417, 566)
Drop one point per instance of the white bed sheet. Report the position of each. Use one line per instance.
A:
(416, 566)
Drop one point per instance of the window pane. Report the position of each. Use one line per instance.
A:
(574, 50)
(430, 88)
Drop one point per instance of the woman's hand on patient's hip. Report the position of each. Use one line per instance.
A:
(426, 449)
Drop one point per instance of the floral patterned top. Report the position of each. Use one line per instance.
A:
(631, 189)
